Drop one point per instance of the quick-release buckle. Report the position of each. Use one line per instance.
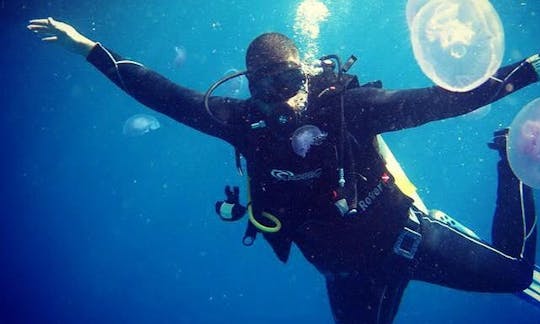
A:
(407, 243)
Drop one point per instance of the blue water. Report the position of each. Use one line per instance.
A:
(97, 227)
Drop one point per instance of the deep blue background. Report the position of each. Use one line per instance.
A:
(96, 227)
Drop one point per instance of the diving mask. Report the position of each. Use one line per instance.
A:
(276, 83)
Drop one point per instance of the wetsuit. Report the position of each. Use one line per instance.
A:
(365, 277)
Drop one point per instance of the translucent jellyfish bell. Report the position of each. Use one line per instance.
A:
(306, 136)
(524, 144)
(180, 56)
(236, 87)
(458, 44)
(140, 124)
(413, 7)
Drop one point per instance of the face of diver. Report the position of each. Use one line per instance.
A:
(277, 82)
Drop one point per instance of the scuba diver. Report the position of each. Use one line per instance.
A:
(320, 175)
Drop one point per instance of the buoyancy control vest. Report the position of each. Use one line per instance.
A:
(281, 179)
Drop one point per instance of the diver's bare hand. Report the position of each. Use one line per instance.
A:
(63, 34)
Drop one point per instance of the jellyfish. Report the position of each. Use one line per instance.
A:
(458, 44)
(234, 87)
(306, 136)
(413, 7)
(524, 144)
(140, 124)
(180, 56)
(529, 140)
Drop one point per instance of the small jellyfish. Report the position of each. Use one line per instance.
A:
(140, 124)
(236, 87)
(306, 136)
(458, 44)
(524, 144)
(180, 56)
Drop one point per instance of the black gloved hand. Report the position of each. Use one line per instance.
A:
(233, 196)
(230, 209)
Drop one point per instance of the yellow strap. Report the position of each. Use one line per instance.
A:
(264, 228)
(255, 222)
(401, 179)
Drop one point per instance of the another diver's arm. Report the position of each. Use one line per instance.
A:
(378, 110)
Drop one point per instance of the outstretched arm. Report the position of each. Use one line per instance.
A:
(380, 110)
(62, 34)
(145, 85)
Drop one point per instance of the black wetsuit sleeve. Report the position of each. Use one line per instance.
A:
(162, 95)
(377, 110)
